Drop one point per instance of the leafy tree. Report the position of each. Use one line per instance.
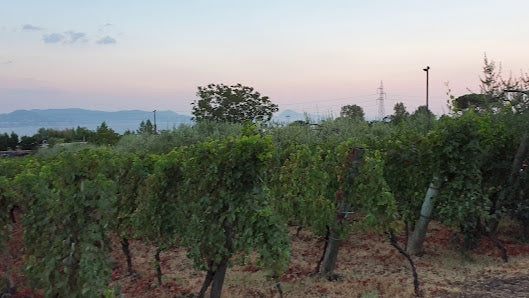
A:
(471, 101)
(4, 141)
(352, 111)
(496, 92)
(105, 135)
(236, 103)
(28, 143)
(491, 82)
(400, 113)
(422, 120)
(146, 127)
(82, 134)
(12, 142)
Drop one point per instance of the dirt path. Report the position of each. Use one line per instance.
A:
(490, 286)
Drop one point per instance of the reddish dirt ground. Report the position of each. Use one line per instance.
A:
(367, 265)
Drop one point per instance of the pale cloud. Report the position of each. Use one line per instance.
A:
(52, 38)
(68, 37)
(106, 40)
(73, 37)
(30, 27)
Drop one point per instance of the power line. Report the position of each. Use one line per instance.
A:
(331, 99)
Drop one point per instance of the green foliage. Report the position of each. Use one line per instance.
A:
(184, 135)
(54, 136)
(300, 189)
(4, 139)
(372, 196)
(471, 101)
(460, 152)
(146, 127)
(399, 113)
(132, 171)
(66, 226)
(408, 170)
(8, 142)
(422, 120)
(159, 214)
(235, 104)
(313, 184)
(506, 137)
(105, 135)
(6, 201)
(28, 143)
(496, 92)
(228, 209)
(352, 111)
(9, 168)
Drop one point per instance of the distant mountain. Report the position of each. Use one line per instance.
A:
(27, 122)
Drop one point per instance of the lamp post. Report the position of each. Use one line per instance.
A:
(155, 132)
(427, 69)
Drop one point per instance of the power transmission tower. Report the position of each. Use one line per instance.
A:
(380, 99)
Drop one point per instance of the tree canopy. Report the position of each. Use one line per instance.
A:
(235, 104)
(400, 114)
(496, 92)
(352, 111)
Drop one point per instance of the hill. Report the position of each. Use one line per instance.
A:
(27, 122)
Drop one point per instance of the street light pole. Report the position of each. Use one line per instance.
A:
(155, 132)
(427, 69)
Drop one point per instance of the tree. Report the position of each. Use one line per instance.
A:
(400, 113)
(83, 134)
(352, 111)
(28, 143)
(471, 101)
(12, 142)
(422, 119)
(4, 141)
(146, 127)
(496, 92)
(105, 135)
(236, 103)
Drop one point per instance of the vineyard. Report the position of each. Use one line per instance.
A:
(421, 206)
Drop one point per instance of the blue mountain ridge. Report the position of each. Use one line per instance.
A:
(28, 122)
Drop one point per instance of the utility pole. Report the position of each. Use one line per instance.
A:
(427, 69)
(380, 99)
(155, 131)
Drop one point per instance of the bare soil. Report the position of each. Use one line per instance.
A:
(367, 267)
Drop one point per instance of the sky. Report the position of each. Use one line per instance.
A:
(307, 56)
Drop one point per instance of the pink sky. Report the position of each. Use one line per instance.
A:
(307, 56)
